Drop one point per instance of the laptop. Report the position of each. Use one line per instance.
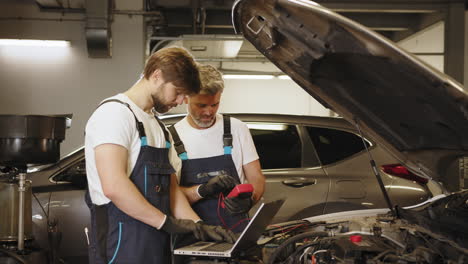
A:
(249, 236)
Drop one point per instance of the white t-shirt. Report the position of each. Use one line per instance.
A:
(114, 123)
(204, 143)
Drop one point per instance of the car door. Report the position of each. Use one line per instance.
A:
(63, 201)
(353, 183)
(345, 160)
(291, 169)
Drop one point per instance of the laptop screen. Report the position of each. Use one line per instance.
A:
(258, 224)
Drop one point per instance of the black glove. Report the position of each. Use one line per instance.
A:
(216, 185)
(238, 205)
(216, 233)
(178, 226)
(200, 231)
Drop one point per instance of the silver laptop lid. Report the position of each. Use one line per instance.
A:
(258, 224)
(249, 236)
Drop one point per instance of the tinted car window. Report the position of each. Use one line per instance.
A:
(333, 145)
(278, 145)
(75, 175)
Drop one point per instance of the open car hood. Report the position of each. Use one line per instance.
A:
(416, 112)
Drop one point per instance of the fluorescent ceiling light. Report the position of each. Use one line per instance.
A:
(198, 48)
(34, 43)
(248, 76)
(257, 126)
(284, 77)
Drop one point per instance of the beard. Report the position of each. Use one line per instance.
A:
(160, 106)
(203, 124)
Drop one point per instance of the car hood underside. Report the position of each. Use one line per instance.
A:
(416, 112)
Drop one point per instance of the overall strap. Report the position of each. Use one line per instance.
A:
(139, 125)
(166, 134)
(178, 144)
(227, 136)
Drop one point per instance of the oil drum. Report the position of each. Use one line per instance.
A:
(9, 211)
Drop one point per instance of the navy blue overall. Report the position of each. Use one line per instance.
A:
(199, 171)
(116, 237)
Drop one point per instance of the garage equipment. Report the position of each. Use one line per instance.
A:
(241, 190)
(24, 140)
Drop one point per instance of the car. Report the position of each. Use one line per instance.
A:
(319, 162)
(416, 113)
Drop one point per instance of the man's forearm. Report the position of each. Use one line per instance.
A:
(127, 198)
(259, 188)
(180, 206)
(253, 174)
(111, 163)
(191, 193)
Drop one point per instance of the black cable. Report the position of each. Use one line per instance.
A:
(383, 253)
(13, 255)
(294, 239)
(299, 249)
(42, 207)
(48, 206)
(430, 245)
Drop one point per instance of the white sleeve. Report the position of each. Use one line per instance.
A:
(111, 123)
(248, 150)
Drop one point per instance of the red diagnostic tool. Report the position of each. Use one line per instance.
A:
(241, 190)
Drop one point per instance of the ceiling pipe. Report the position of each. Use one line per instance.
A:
(97, 29)
(203, 20)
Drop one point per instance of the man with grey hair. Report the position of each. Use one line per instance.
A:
(217, 153)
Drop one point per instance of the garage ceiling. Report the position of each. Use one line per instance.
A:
(203, 21)
(396, 19)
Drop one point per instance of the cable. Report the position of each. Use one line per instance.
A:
(299, 249)
(13, 255)
(42, 207)
(376, 258)
(221, 196)
(220, 200)
(293, 239)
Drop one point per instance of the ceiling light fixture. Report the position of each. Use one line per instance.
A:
(284, 77)
(198, 48)
(248, 76)
(259, 126)
(34, 43)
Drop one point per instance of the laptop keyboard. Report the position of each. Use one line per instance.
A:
(220, 247)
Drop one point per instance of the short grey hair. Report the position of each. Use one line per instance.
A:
(211, 80)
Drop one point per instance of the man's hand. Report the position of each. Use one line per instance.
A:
(216, 233)
(178, 226)
(238, 205)
(200, 231)
(216, 185)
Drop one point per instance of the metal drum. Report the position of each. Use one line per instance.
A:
(9, 211)
(30, 139)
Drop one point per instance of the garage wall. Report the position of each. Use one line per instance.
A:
(270, 96)
(430, 40)
(274, 95)
(267, 96)
(65, 80)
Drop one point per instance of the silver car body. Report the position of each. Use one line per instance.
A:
(311, 188)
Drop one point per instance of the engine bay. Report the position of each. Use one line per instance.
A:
(379, 239)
